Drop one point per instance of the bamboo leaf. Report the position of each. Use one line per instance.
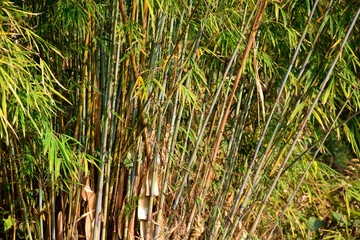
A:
(197, 228)
(8, 223)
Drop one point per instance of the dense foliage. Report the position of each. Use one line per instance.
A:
(179, 119)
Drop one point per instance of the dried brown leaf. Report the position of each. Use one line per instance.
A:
(60, 226)
(121, 222)
(197, 229)
(90, 197)
(149, 176)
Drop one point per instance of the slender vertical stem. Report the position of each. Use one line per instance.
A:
(23, 203)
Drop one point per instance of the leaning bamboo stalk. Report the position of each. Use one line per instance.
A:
(201, 132)
(253, 228)
(246, 178)
(311, 161)
(240, 71)
(315, 143)
(175, 136)
(207, 166)
(193, 55)
(251, 39)
(173, 132)
(232, 152)
(244, 27)
(265, 156)
(322, 25)
(179, 118)
(199, 170)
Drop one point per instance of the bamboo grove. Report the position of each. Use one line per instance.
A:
(179, 119)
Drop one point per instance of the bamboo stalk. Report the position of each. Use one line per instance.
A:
(113, 121)
(135, 71)
(82, 88)
(311, 161)
(17, 175)
(314, 144)
(240, 71)
(232, 152)
(271, 115)
(105, 129)
(10, 192)
(304, 123)
(201, 132)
